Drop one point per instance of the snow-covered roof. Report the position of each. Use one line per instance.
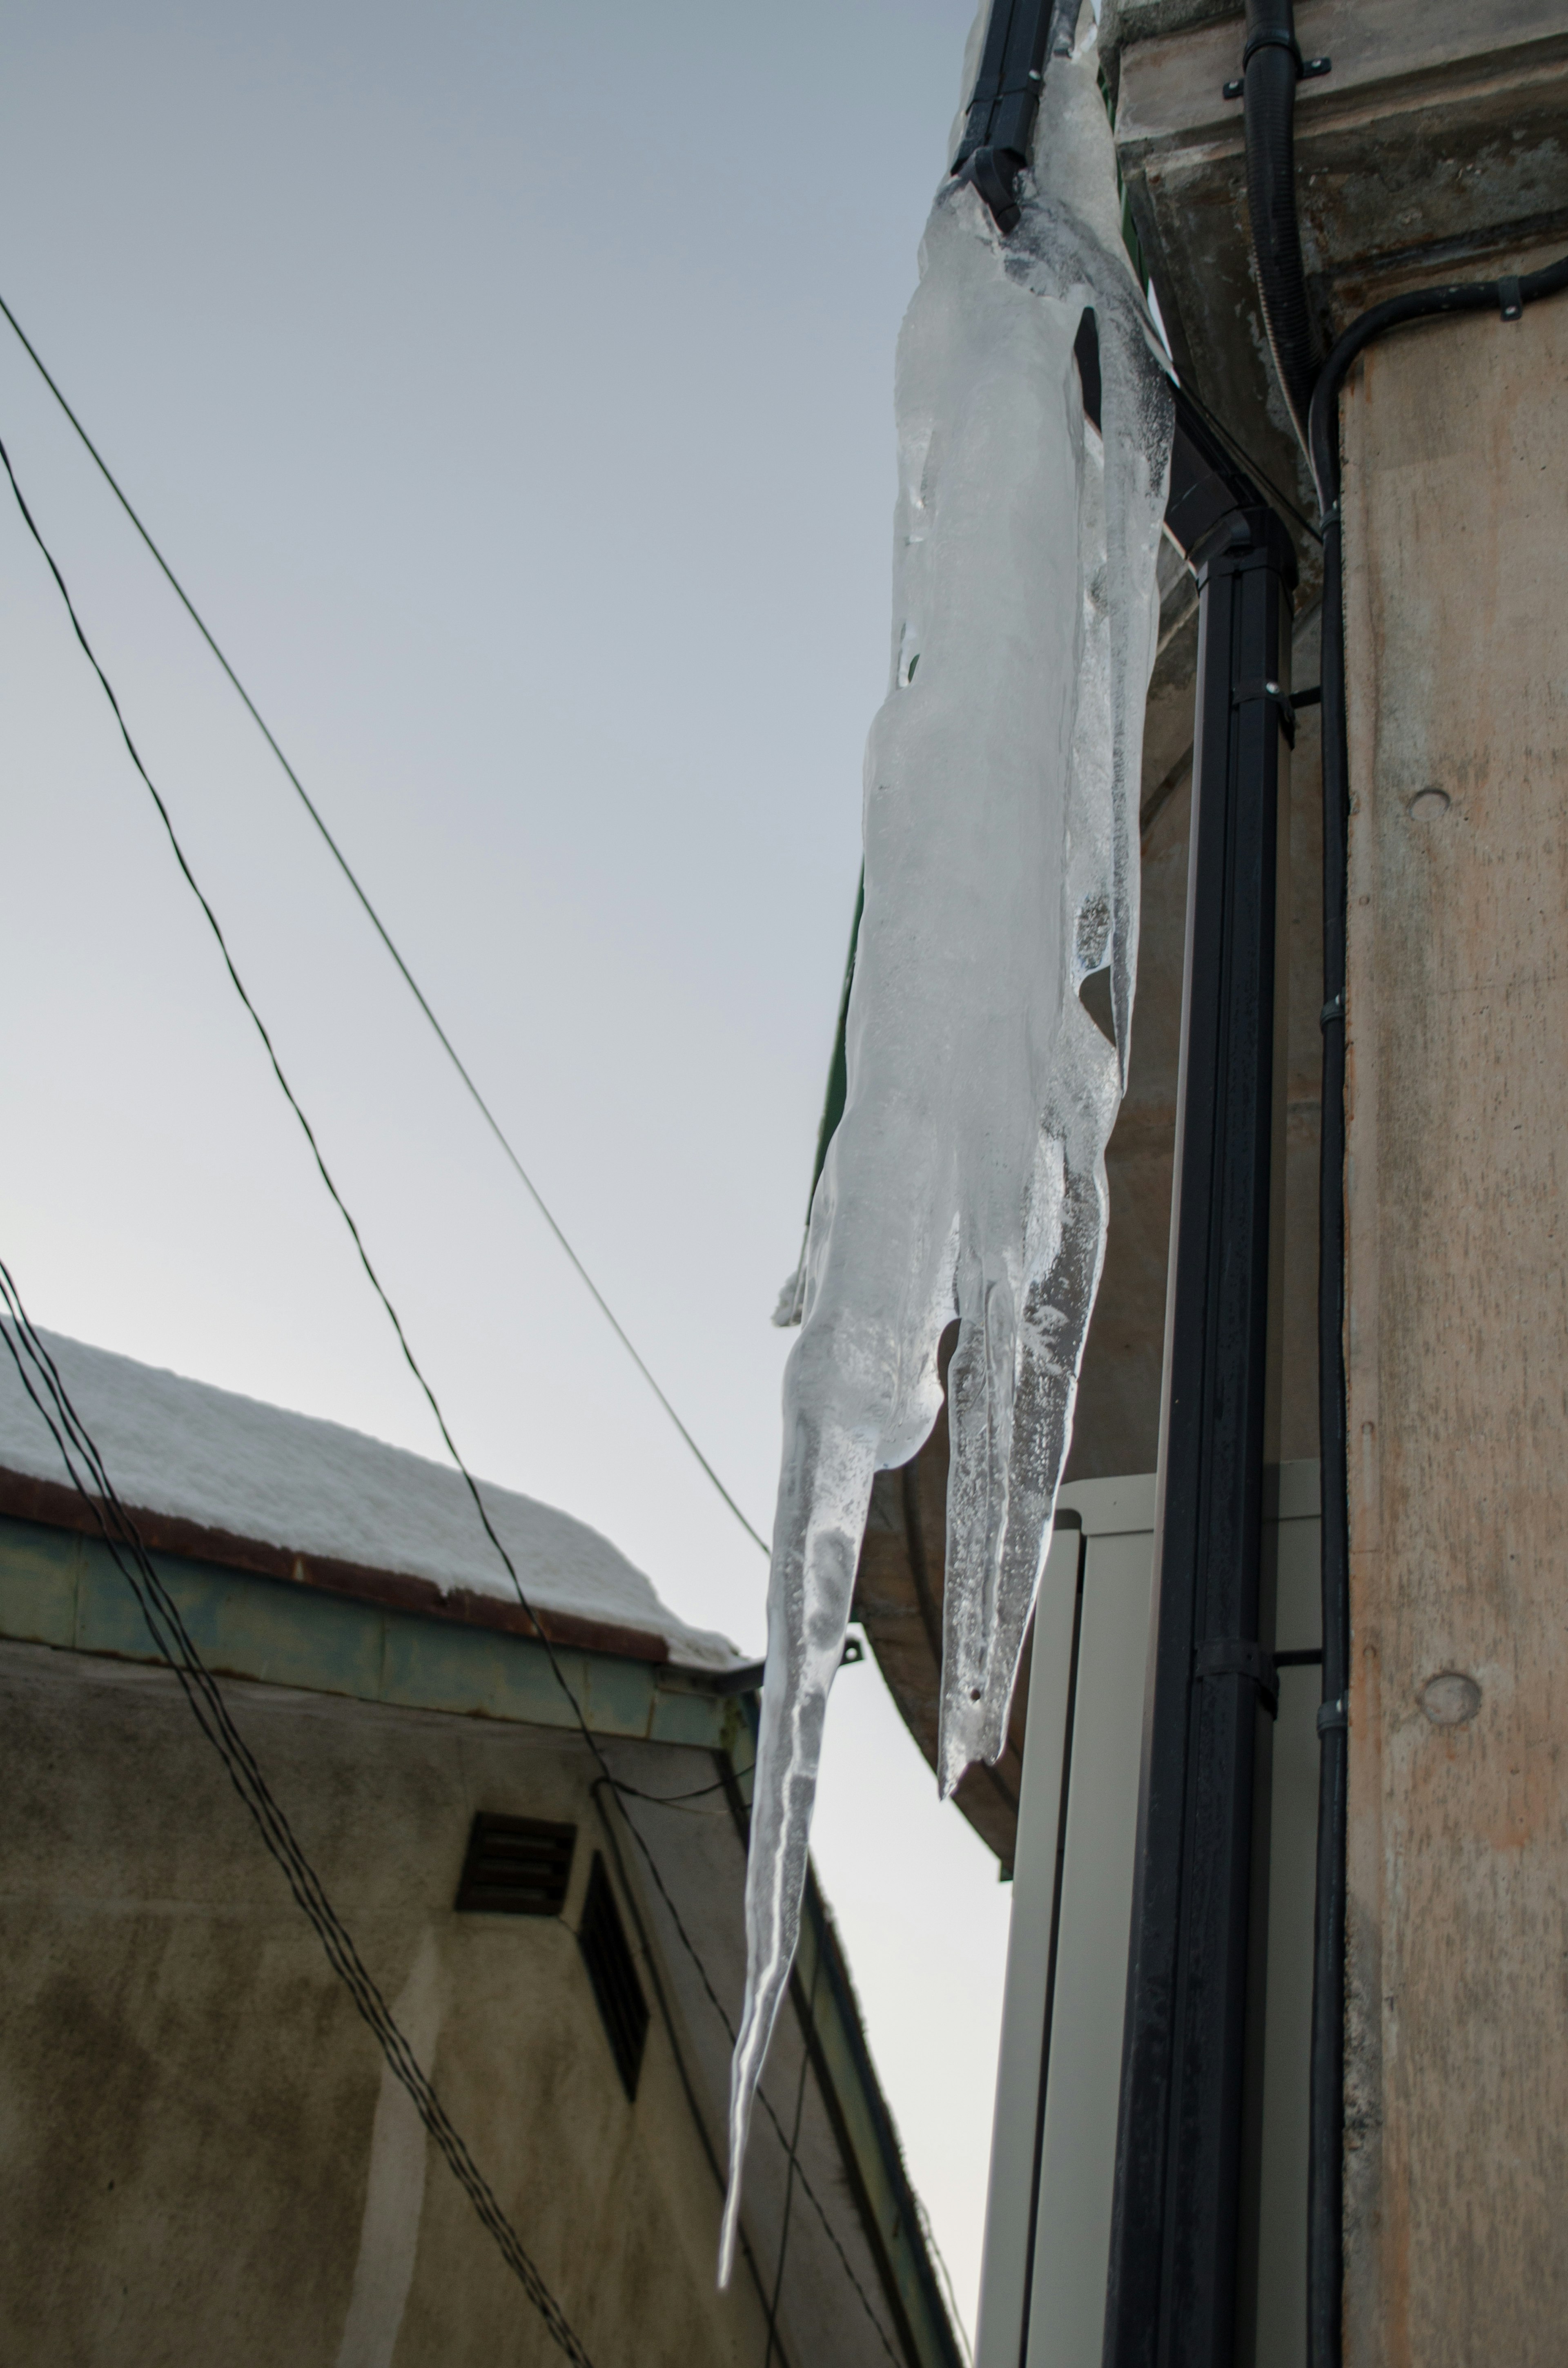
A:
(315, 1491)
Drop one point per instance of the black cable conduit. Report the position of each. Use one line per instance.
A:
(1271, 67)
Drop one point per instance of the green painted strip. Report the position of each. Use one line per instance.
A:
(838, 1066)
(243, 1628)
(59, 1588)
(39, 1573)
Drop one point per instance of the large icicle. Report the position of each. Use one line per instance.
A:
(967, 1175)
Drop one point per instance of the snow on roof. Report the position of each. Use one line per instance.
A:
(187, 1452)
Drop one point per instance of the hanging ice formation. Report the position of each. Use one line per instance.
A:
(967, 1175)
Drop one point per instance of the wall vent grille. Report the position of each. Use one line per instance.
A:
(624, 2009)
(516, 1866)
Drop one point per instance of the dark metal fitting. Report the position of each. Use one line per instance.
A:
(1333, 1717)
(1313, 698)
(1064, 28)
(1333, 1009)
(1248, 692)
(1275, 37)
(1237, 1656)
(1271, 36)
(993, 173)
(1510, 301)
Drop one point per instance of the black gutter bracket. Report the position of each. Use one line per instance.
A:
(1277, 37)
(1281, 701)
(1235, 1656)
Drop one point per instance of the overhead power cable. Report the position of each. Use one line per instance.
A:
(165, 1625)
(624, 1791)
(790, 2180)
(491, 1121)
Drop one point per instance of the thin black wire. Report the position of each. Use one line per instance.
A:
(1237, 447)
(717, 2004)
(789, 2180)
(491, 1121)
(305, 1126)
(170, 1637)
(626, 1790)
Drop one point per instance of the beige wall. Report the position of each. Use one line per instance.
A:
(202, 2157)
(1456, 506)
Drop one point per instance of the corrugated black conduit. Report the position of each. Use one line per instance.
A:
(1271, 67)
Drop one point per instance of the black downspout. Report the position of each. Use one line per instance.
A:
(1325, 2111)
(1021, 37)
(1171, 2285)
(1271, 67)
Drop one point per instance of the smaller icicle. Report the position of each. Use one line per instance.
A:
(967, 1175)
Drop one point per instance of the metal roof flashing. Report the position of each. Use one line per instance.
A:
(350, 1635)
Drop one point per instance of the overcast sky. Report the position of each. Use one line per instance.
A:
(512, 388)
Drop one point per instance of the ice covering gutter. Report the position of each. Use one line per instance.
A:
(966, 1177)
(255, 1487)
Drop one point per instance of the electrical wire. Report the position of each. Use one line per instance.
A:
(624, 1791)
(306, 1129)
(491, 1121)
(789, 2180)
(172, 1638)
(1254, 468)
(651, 1967)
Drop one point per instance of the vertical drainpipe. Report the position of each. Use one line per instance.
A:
(1181, 2140)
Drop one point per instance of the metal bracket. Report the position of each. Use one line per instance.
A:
(1333, 1009)
(1235, 1656)
(1332, 1716)
(1246, 691)
(1274, 37)
(1510, 301)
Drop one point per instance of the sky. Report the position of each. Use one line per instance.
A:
(512, 388)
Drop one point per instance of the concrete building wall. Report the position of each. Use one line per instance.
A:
(203, 2157)
(1455, 507)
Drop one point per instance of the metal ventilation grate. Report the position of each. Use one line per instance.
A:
(516, 1866)
(602, 1939)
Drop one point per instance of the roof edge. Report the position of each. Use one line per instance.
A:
(56, 1505)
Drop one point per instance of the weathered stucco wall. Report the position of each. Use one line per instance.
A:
(203, 2158)
(1455, 506)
